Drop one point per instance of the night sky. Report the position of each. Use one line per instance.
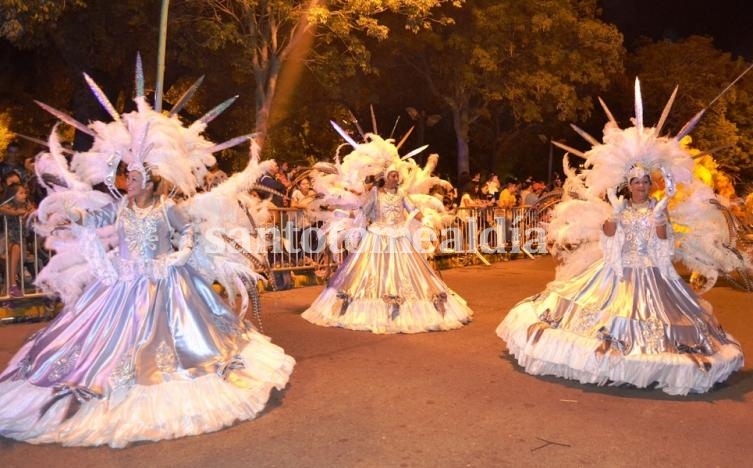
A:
(729, 22)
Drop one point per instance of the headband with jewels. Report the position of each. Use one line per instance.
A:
(392, 168)
(638, 171)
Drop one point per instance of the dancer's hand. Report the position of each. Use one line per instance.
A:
(660, 211)
(75, 215)
(618, 203)
(178, 258)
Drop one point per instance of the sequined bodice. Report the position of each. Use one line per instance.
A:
(144, 232)
(390, 209)
(638, 226)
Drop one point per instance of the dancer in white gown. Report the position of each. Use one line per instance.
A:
(627, 318)
(144, 348)
(386, 285)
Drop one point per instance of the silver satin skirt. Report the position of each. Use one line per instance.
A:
(139, 360)
(387, 287)
(642, 329)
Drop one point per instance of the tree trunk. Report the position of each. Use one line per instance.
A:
(266, 88)
(461, 124)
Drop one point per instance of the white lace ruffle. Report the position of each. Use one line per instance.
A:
(571, 356)
(150, 412)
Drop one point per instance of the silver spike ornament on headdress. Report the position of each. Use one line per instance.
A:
(146, 140)
(631, 152)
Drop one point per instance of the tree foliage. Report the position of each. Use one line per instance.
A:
(6, 134)
(520, 61)
(701, 72)
(265, 35)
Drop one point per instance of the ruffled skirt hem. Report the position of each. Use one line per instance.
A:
(566, 354)
(166, 410)
(377, 316)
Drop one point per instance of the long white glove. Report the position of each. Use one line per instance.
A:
(185, 247)
(618, 203)
(75, 215)
(660, 211)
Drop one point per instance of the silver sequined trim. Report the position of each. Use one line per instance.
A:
(165, 358)
(124, 373)
(64, 365)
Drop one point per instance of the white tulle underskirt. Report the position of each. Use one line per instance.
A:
(149, 412)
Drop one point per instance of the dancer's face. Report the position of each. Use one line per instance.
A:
(134, 184)
(639, 188)
(392, 179)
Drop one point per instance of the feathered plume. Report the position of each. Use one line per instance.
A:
(702, 239)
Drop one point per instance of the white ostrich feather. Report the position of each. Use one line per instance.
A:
(702, 238)
(143, 139)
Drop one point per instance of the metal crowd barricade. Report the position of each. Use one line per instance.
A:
(32, 258)
(481, 232)
(294, 245)
(474, 232)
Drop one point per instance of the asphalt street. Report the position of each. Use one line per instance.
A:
(444, 399)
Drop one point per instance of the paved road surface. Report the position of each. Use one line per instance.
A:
(445, 399)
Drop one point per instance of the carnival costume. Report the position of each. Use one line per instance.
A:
(144, 348)
(618, 312)
(384, 285)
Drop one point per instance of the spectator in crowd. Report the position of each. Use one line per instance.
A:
(301, 198)
(36, 192)
(9, 159)
(485, 195)
(556, 182)
(525, 189)
(492, 186)
(277, 190)
(463, 179)
(471, 196)
(275, 198)
(508, 197)
(16, 208)
(11, 178)
(283, 175)
(121, 178)
(532, 197)
(368, 183)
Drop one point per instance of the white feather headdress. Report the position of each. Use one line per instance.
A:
(147, 141)
(703, 243)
